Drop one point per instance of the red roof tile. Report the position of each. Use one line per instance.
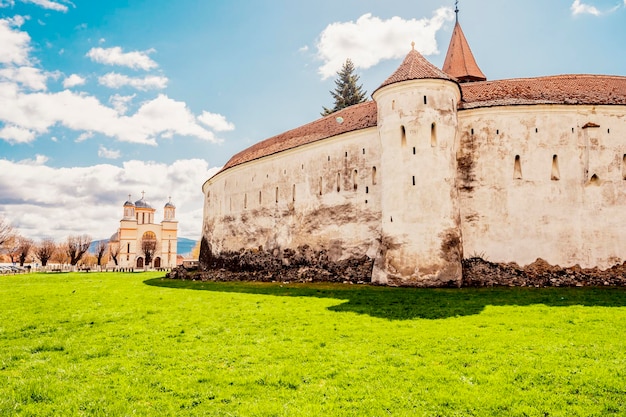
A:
(415, 67)
(460, 62)
(359, 116)
(558, 89)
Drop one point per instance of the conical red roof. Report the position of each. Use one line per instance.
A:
(460, 62)
(415, 67)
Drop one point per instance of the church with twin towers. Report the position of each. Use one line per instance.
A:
(441, 165)
(140, 242)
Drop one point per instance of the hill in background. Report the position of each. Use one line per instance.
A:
(184, 245)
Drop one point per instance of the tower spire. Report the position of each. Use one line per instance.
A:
(460, 62)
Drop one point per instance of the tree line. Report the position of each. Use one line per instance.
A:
(74, 249)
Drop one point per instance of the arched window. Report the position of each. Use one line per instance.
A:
(517, 168)
(433, 135)
(373, 175)
(556, 175)
(403, 133)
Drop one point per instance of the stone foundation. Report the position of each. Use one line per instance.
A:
(306, 265)
(478, 272)
(301, 265)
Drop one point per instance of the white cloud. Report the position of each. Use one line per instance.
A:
(216, 122)
(73, 81)
(115, 80)
(38, 112)
(84, 136)
(16, 134)
(115, 56)
(48, 4)
(42, 201)
(120, 103)
(39, 160)
(370, 40)
(28, 77)
(580, 8)
(108, 153)
(15, 43)
(7, 3)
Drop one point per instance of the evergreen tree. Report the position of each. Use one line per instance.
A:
(347, 92)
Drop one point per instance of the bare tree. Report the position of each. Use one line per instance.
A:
(24, 247)
(76, 246)
(13, 247)
(101, 248)
(60, 255)
(114, 250)
(148, 246)
(44, 250)
(6, 231)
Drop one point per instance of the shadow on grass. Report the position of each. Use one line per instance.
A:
(409, 303)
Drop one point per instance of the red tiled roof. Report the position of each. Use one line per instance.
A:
(415, 67)
(558, 89)
(460, 62)
(359, 116)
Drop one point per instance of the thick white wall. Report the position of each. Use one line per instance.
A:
(417, 121)
(275, 202)
(565, 219)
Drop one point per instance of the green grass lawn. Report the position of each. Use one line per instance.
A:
(136, 344)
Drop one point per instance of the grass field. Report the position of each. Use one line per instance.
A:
(135, 344)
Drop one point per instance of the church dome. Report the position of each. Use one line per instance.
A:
(129, 204)
(169, 205)
(142, 204)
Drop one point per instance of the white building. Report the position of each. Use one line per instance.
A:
(142, 242)
(440, 166)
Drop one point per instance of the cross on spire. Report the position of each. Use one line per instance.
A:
(456, 10)
(143, 194)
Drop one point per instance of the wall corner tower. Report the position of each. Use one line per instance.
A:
(417, 123)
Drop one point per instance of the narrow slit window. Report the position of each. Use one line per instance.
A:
(556, 175)
(338, 181)
(403, 133)
(517, 170)
(433, 135)
(355, 175)
(260, 197)
(346, 154)
(393, 104)
(245, 201)
(373, 175)
(363, 151)
(413, 180)
(624, 167)
(413, 150)
(293, 192)
(367, 190)
(472, 131)
(277, 194)
(425, 100)
(321, 185)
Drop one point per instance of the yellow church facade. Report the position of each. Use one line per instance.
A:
(140, 243)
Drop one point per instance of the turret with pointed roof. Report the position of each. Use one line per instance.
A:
(460, 62)
(415, 67)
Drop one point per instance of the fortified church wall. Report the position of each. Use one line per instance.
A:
(440, 169)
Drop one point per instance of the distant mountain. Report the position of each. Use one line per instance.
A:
(184, 245)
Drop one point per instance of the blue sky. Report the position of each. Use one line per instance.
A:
(101, 99)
